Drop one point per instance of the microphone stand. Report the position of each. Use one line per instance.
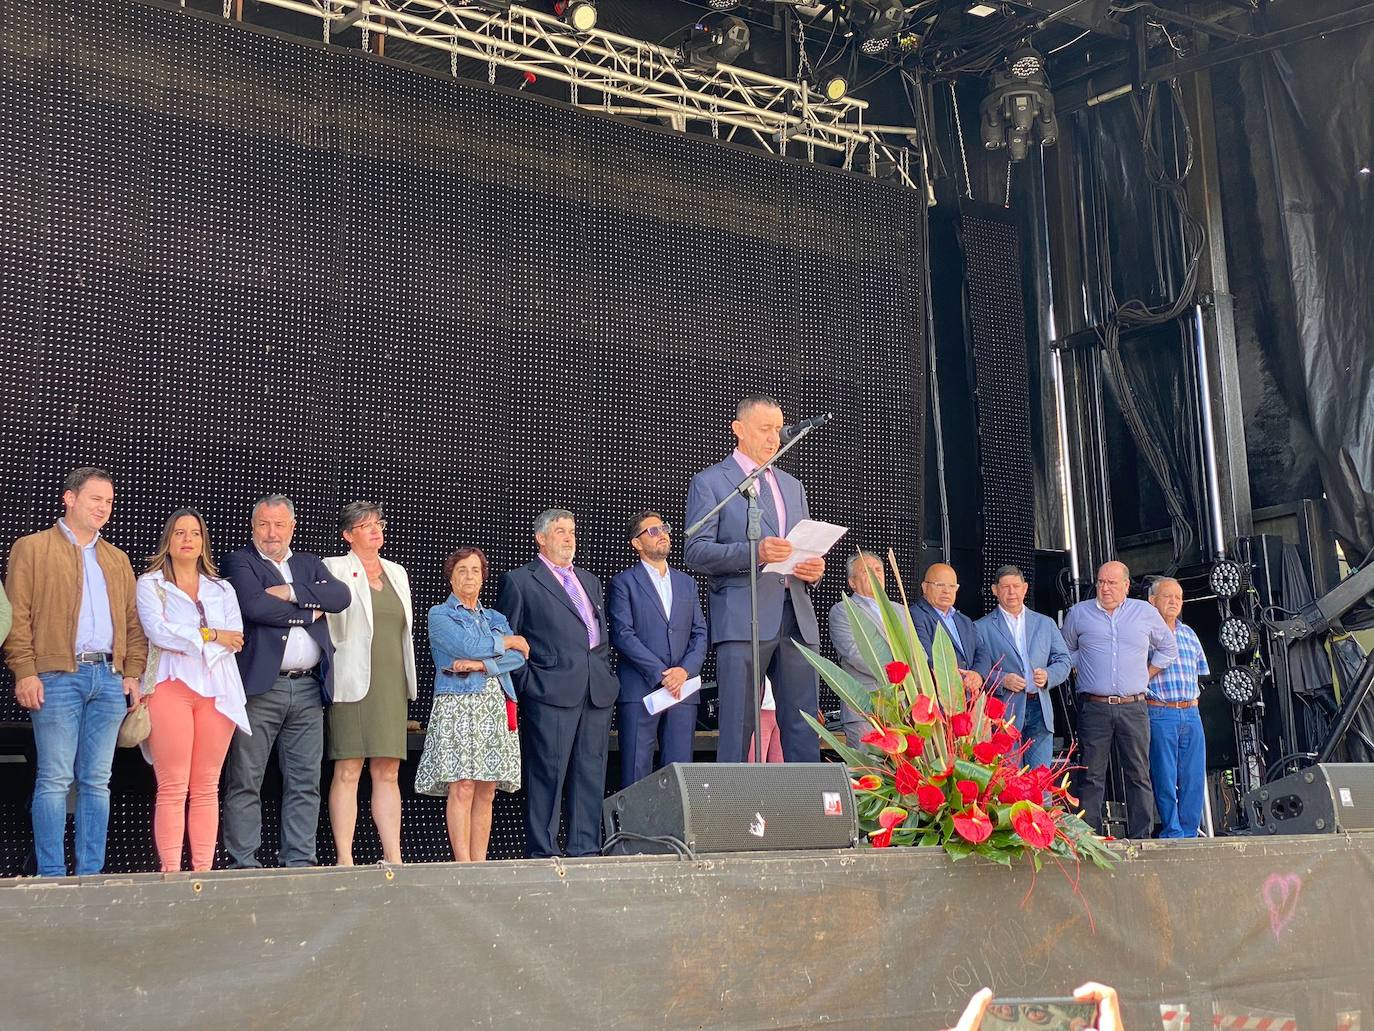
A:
(748, 489)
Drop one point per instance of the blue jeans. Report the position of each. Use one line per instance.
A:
(1039, 736)
(75, 731)
(1178, 769)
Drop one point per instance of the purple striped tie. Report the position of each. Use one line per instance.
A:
(580, 602)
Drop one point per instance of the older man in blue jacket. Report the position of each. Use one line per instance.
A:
(659, 630)
(286, 668)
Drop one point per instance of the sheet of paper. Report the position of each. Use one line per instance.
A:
(809, 539)
(659, 700)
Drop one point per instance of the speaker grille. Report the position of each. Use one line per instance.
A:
(742, 807)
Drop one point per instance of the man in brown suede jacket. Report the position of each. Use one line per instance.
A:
(77, 651)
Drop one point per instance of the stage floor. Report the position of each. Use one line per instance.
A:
(1237, 929)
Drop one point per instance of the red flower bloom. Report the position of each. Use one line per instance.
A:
(1023, 787)
(915, 745)
(961, 724)
(987, 751)
(1034, 825)
(897, 672)
(880, 839)
(891, 816)
(1012, 731)
(1003, 742)
(930, 798)
(973, 825)
(923, 711)
(889, 741)
(868, 782)
(995, 708)
(967, 790)
(908, 780)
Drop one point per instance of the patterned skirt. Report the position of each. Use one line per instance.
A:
(468, 739)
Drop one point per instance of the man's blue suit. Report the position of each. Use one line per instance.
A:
(720, 550)
(1045, 649)
(565, 691)
(968, 648)
(650, 642)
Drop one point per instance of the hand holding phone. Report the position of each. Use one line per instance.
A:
(1040, 1014)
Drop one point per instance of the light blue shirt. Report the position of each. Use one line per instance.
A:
(1114, 650)
(947, 618)
(1017, 627)
(94, 624)
(663, 584)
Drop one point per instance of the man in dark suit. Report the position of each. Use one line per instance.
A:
(720, 549)
(936, 609)
(1030, 658)
(659, 630)
(285, 665)
(565, 690)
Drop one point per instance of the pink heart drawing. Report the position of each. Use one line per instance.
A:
(1281, 898)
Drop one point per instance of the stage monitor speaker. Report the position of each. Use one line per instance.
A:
(733, 807)
(1322, 799)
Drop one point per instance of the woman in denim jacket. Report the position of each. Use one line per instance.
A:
(471, 745)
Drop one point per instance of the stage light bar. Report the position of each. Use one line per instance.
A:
(1238, 636)
(716, 39)
(1228, 578)
(1241, 685)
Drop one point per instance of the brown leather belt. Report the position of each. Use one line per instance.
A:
(1114, 699)
(1190, 704)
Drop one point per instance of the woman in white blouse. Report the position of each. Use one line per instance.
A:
(192, 687)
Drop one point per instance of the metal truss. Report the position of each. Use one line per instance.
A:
(781, 117)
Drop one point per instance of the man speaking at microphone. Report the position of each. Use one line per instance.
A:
(720, 550)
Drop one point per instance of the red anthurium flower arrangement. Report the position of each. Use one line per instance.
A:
(942, 765)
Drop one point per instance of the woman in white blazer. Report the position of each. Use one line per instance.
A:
(374, 676)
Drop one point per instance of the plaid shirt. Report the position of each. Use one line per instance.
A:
(1178, 682)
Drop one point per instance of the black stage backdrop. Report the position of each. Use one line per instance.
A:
(234, 263)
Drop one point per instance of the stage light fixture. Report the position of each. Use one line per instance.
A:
(1019, 109)
(1228, 578)
(579, 14)
(1238, 636)
(716, 39)
(982, 10)
(835, 87)
(874, 46)
(875, 19)
(722, 5)
(1241, 685)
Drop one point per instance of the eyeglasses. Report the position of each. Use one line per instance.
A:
(378, 523)
(1110, 583)
(661, 530)
(940, 586)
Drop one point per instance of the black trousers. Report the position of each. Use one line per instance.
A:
(1100, 724)
(563, 751)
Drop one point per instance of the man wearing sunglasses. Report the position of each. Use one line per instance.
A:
(659, 630)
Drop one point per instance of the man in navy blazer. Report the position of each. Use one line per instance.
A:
(936, 608)
(720, 549)
(659, 630)
(565, 690)
(285, 665)
(1029, 658)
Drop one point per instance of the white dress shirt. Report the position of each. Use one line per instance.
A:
(663, 584)
(1017, 626)
(301, 650)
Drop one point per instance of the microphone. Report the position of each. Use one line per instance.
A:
(792, 431)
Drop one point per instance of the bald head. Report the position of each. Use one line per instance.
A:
(1113, 583)
(940, 586)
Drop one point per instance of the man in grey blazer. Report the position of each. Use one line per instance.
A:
(862, 571)
(720, 550)
(1028, 658)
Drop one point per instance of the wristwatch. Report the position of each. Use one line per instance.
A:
(206, 634)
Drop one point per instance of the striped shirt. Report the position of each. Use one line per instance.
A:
(1179, 682)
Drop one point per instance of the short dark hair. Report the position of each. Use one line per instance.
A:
(637, 520)
(78, 478)
(355, 512)
(1008, 571)
(466, 551)
(750, 401)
